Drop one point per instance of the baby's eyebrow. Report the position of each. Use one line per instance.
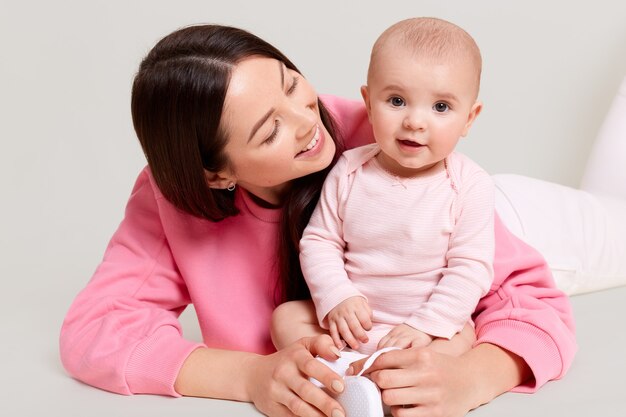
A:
(392, 87)
(447, 96)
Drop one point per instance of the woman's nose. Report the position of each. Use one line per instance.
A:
(305, 118)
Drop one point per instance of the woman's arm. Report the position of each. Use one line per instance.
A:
(524, 313)
(277, 384)
(496, 371)
(122, 332)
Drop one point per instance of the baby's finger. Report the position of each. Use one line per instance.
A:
(357, 329)
(383, 343)
(402, 342)
(393, 341)
(365, 318)
(323, 346)
(417, 343)
(334, 334)
(346, 333)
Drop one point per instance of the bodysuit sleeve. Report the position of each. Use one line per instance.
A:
(322, 247)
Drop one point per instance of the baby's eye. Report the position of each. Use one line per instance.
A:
(441, 107)
(396, 101)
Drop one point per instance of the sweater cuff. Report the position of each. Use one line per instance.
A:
(156, 361)
(530, 343)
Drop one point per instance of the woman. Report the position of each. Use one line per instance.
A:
(238, 145)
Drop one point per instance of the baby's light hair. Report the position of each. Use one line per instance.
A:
(431, 38)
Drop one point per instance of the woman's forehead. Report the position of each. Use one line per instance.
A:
(254, 84)
(253, 74)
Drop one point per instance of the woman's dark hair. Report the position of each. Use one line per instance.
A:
(177, 103)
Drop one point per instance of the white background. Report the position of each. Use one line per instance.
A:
(69, 156)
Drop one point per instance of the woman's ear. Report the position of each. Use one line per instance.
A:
(221, 180)
(473, 114)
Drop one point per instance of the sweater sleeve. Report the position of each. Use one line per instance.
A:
(352, 120)
(122, 332)
(322, 248)
(469, 272)
(525, 313)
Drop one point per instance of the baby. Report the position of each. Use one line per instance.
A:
(400, 247)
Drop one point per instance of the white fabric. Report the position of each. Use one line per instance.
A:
(606, 168)
(581, 236)
(361, 396)
(340, 366)
(581, 233)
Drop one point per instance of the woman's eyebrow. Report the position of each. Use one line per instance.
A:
(266, 116)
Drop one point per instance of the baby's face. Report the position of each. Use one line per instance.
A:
(419, 108)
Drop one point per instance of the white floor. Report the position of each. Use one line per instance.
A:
(34, 382)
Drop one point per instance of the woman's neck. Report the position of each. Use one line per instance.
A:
(270, 197)
(263, 203)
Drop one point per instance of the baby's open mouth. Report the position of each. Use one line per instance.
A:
(409, 143)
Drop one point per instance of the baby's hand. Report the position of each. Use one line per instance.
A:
(458, 345)
(405, 336)
(349, 320)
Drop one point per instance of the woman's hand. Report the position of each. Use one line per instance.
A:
(421, 382)
(278, 384)
(349, 320)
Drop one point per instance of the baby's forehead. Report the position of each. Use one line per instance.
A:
(404, 68)
(396, 49)
(431, 49)
(398, 55)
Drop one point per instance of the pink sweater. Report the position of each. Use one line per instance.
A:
(420, 250)
(121, 333)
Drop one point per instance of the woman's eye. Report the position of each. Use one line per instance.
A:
(272, 135)
(441, 107)
(396, 101)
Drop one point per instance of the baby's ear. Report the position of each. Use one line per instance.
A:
(366, 99)
(473, 114)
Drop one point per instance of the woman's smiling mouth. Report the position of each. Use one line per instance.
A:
(316, 140)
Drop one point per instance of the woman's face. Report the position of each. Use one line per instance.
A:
(273, 127)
